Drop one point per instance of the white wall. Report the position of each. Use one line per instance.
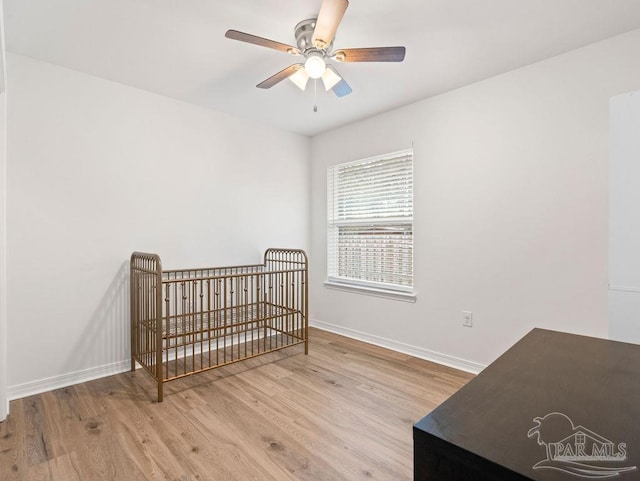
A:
(511, 208)
(624, 245)
(4, 403)
(96, 170)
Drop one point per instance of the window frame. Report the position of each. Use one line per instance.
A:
(360, 286)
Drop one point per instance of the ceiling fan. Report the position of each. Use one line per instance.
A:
(314, 40)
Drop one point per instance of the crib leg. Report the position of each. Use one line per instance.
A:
(159, 391)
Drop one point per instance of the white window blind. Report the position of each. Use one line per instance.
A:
(370, 214)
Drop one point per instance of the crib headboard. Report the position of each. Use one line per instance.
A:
(275, 257)
(278, 259)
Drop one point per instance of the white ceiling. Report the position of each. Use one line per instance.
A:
(177, 48)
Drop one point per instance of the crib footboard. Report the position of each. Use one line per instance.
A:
(146, 315)
(191, 320)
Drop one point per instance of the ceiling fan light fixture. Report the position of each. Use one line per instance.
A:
(315, 65)
(330, 79)
(300, 78)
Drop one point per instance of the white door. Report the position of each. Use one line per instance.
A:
(624, 226)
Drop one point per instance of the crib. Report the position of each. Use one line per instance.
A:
(192, 320)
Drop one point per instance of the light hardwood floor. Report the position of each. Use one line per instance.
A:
(344, 412)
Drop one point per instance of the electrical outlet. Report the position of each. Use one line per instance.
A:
(467, 318)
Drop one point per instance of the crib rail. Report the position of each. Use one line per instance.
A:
(186, 321)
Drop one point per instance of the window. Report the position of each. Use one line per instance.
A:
(370, 217)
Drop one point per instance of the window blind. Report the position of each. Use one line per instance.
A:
(370, 222)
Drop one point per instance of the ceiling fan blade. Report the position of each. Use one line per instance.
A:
(263, 42)
(331, 13)
(342, 88)
(280, 76)
(374, 54)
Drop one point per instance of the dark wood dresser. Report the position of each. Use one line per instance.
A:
(554, 407)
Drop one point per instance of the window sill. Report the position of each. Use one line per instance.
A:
(371, 291)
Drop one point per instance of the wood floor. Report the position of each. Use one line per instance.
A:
(344, 412)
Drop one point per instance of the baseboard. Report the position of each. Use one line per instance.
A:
(64, 380)
(56, 382)
(415, 351)
(4, 408)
